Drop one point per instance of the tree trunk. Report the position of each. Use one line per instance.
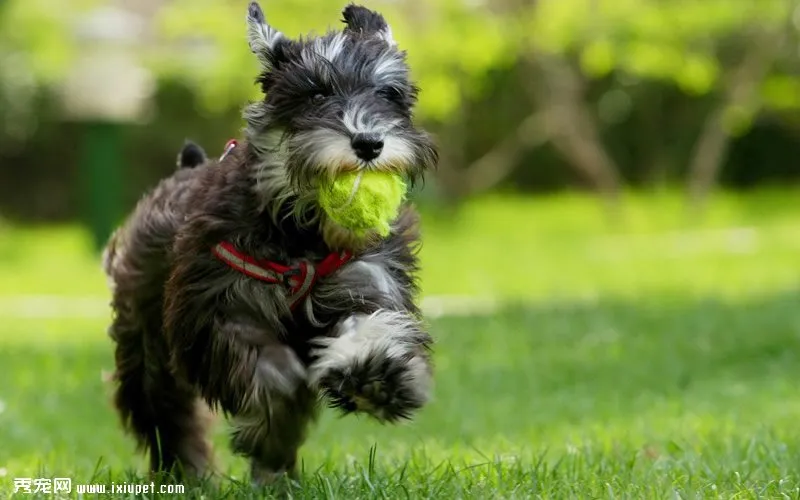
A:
(496, 165)
(707, 159)
(574, 131)
(714, 141)
(561, 117)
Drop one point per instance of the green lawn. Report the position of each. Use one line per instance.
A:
(648, 360)
(558, 247)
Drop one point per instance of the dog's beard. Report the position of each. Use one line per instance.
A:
(323, 152)
(294, 165)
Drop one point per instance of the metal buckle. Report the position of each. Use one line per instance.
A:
(288, 275)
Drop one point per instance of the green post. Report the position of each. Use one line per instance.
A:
(106, 89)
(101, 170)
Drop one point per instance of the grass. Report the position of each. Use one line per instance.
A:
(648, 360)
(555, 247)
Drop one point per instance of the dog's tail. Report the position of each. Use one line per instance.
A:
(191, 155)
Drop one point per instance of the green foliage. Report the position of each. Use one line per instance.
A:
(450, 46)
(676, 40)
(682, 41)
(781, 91)
(35, 37)
(36, 50)
(37, 40)
(567, 250)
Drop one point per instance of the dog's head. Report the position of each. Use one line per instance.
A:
(333, 103)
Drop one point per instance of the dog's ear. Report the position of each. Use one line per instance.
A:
(262, 37)
(361, 20)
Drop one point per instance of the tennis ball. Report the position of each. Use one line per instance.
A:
(364, 201)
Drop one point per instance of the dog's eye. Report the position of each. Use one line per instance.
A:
(391, 93)
(319, 98)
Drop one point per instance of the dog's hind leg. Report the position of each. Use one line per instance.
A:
(249, 372)
(162, 412)
(271, 436)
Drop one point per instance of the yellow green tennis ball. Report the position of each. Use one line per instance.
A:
(364, 201)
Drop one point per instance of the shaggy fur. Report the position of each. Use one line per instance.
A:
(190, 331)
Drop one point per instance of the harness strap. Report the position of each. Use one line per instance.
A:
(298, 279)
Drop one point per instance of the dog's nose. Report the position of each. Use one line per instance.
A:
(367, 146)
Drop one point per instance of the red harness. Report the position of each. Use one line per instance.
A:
(298, 278)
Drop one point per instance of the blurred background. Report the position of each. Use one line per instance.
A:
(608, 108)
(526, 97)
(591, 150)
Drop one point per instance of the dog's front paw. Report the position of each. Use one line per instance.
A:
(377, 364)
(389, 389)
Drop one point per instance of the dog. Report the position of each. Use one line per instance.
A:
(233, 291)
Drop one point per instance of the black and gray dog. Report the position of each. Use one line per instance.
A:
(232, 289)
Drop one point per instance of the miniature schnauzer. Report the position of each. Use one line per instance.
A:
(232, 289)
